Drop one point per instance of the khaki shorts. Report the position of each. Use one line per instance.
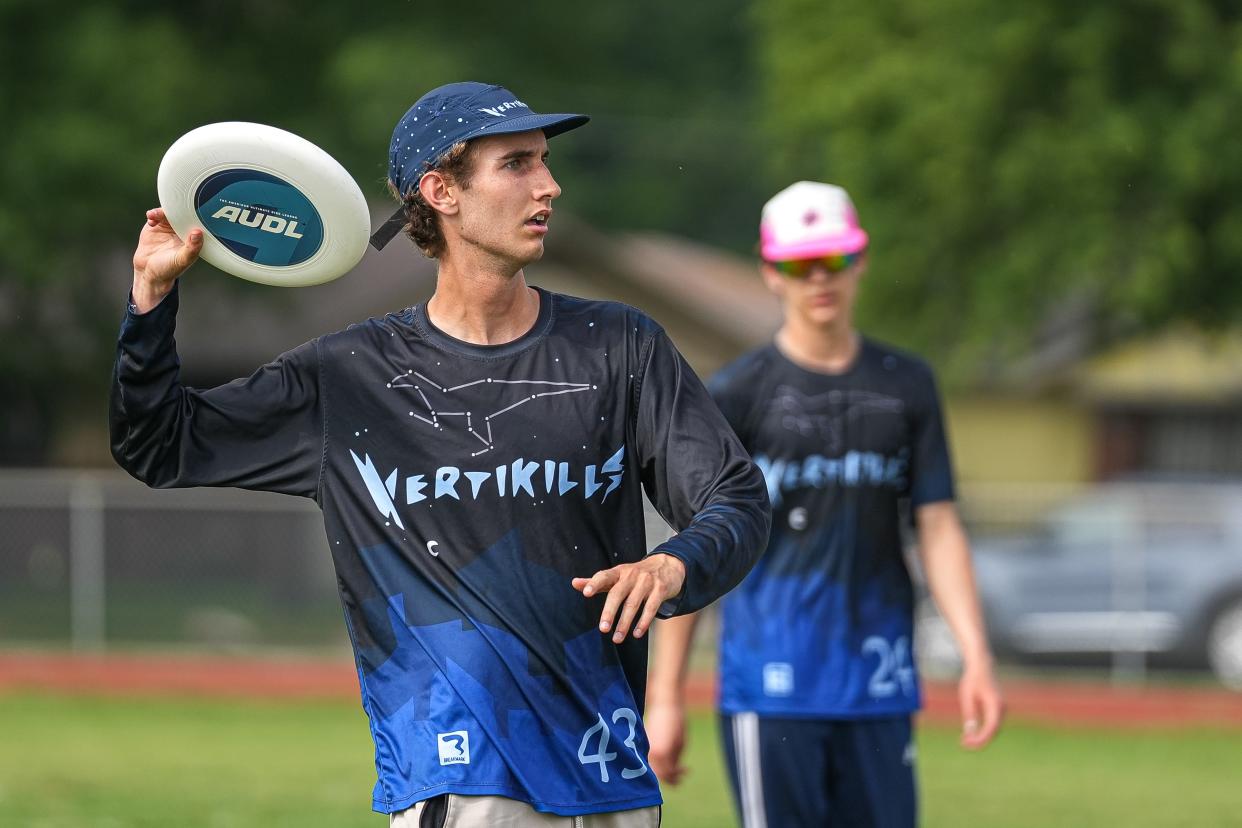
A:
(456, 811)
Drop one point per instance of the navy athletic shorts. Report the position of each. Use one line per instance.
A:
(799, 773)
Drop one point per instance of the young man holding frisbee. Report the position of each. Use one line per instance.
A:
(478, 460)
(817, 677)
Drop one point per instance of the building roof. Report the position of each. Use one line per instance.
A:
(1179, 366)
(712, 303)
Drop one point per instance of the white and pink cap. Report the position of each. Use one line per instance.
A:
(809, 219)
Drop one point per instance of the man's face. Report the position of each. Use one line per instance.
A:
(821, 298)
(505, 209)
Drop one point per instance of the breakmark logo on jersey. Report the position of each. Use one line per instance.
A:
(508, 480)
(454, 747)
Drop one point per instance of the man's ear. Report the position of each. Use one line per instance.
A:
(773, 279)
(438, 193)
(863, 264)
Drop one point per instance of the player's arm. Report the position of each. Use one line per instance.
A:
(701, 480)
(945, 553)
(665, 716)
(265, 432)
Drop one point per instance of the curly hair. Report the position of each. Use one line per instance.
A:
(422, 224)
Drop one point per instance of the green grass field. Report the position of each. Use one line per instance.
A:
(96, 763)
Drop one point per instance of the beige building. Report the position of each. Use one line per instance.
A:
(1166, 405)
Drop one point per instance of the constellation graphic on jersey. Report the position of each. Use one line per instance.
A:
(481, 428)
(828, 413)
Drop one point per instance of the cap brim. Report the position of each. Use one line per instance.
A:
(550, 124)
(851, 241)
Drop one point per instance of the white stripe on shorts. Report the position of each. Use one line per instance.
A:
(749, 769)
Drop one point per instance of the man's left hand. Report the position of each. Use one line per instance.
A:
(982, 707)
(637, 590)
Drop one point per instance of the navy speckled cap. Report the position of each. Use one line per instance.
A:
(459, 112)
(448, 115)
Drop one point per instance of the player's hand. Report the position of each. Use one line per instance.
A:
(637, 590)
(982, 706)
(160, 258)
(665, 724)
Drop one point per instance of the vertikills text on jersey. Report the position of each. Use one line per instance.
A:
(522, 476)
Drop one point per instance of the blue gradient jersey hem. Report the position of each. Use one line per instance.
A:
(802, 711)
(394, 806)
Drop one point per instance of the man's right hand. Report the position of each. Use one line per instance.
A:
(161, 257)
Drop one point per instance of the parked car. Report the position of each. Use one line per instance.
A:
(1123, 567)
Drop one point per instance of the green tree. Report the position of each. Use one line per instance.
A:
(1012, 158)
(92, 94)
(83, 124)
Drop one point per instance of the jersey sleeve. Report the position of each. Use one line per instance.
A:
(699, 477)
(264, 432)
(931, 470)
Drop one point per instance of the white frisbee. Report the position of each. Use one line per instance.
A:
(274, 207)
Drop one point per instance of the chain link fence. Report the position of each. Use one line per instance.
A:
(1117, 574)
(95, 559)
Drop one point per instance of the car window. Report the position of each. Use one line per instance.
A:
(1183, 522)
(1092, 523)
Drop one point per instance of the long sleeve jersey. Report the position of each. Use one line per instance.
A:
(462, 488)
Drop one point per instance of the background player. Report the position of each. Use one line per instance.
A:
(817, 676)
(477, 459)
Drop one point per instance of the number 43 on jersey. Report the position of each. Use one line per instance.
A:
(602, 736)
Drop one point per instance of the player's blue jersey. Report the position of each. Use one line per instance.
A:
(462, 488)
(823, 625)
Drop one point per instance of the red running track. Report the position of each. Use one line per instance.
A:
(1044, 702)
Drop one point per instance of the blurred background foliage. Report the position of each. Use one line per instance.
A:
(1011, 161)
(1016, 162)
